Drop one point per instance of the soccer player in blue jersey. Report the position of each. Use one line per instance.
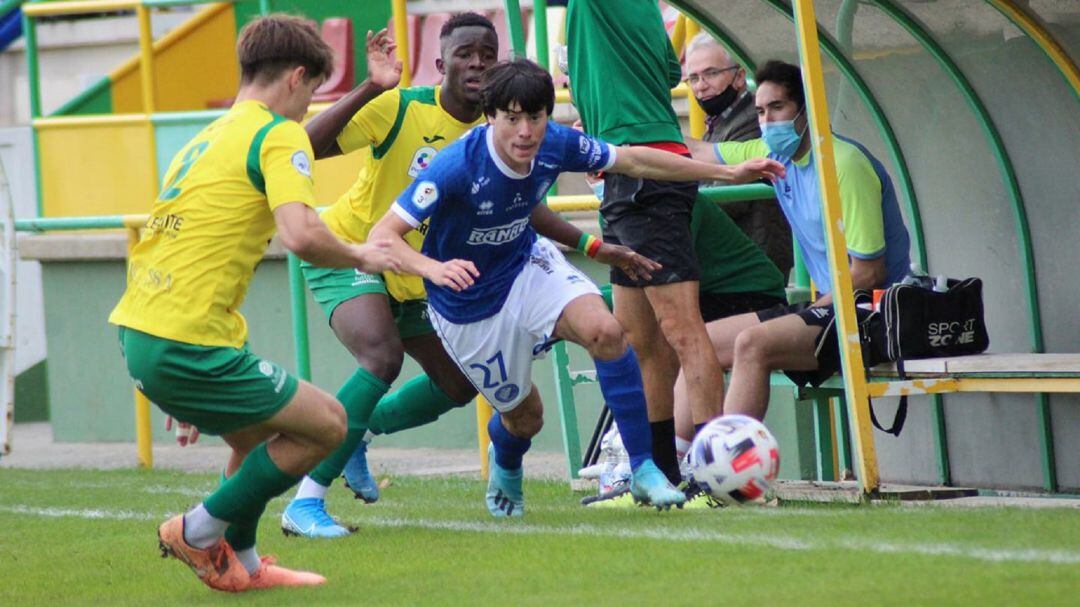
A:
(499, 295)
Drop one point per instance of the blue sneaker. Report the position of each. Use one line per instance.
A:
(358, 477)
(504, 496)
(307, 517)
(649, 486)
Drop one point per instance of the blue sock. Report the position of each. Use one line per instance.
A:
(508, 448)
(620, 382)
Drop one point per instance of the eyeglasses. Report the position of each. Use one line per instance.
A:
(710, 74)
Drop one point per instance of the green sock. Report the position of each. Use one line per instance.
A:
(242, 498)
(360, 394)
(420, 401)
(241, 534)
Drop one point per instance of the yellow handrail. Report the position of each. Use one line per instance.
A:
(855, 385)
(401, 36)
(48, 9)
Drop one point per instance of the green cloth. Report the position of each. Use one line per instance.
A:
(217, 389)
(360, 394)
(730, 262)
(420, 401)
(622, 70)
(241, 499)
(332, 287)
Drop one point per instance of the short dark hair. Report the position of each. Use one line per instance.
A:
(272, 44)
(786, 75)
(517, 80)
(465, 20)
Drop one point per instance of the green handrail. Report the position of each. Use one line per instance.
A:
(513, 24)
(51, 224)
(540, 18)
(1012, 188)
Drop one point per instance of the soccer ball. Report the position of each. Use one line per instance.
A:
(733, 459)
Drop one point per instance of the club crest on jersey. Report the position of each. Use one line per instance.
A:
(425, 194)
(302, 163)
(421, 159)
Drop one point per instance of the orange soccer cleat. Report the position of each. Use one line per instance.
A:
(270, 575)
(216, 566)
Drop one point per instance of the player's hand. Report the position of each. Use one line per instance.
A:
(186, 434)
(756, 169)
(456, 274)
(637, 267)
(377, 256)
(383, 66)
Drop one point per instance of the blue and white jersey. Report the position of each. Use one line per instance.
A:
(479, 208)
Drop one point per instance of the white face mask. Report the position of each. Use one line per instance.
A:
(598, 190)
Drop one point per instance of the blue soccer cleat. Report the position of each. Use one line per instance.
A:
(358, 477)
(504, 495)
(649, 486)
(307, 517)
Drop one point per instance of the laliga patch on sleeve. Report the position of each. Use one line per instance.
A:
(302, 163)
(425, 194)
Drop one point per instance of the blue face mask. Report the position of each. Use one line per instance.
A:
(598, 190)
(781, 138)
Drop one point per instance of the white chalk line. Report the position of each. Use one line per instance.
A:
(771, 540)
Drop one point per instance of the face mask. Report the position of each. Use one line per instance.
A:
(598, 190)
(715, 105)
(781, 138)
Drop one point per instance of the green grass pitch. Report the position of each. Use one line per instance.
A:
(83, 537)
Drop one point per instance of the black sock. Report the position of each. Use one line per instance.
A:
(663, 449)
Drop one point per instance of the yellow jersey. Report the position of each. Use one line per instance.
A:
(400, 132)
(210, 225)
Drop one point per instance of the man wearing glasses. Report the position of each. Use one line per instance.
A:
(719, 85)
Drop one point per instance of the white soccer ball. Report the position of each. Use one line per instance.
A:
(734, 458)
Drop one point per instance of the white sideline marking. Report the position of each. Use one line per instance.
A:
(1057, 557)
(113, 515)
(992, 555)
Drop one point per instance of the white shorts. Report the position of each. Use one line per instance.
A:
(496, 353)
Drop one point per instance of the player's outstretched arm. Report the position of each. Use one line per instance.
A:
(384, 73)
(650, 163)
(549, 225)
(455, 274)
(303, 233)
(701, 150)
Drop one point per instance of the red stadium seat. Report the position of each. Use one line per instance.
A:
(426, 74)
(338, 34)
(412, 24)
(498, 19)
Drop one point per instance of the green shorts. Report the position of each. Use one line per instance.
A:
(218, 389)
(333, 287)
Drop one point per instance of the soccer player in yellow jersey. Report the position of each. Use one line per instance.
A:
(379, 318)
(182, 335)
